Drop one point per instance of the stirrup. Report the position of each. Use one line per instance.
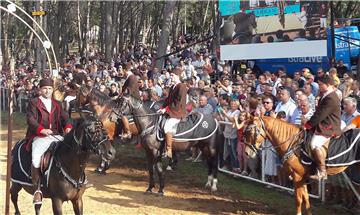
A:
(38, 202)
(320, 175)
(126, 136)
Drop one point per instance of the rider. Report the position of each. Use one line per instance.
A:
(325, 122)
(175, 106)
(131, 87)
(47, 121)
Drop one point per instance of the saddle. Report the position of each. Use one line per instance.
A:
(341, 151)
(194, 127)
(47, 156)
(21, 163)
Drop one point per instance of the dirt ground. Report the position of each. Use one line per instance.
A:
(121, 191)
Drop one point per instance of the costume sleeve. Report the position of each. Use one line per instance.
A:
(326, 107)
(32, 118)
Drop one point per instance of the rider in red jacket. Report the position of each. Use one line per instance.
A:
(175, 106)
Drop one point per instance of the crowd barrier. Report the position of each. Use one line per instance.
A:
(320, 185)
(20, 103)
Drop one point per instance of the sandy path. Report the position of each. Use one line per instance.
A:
(122, 192)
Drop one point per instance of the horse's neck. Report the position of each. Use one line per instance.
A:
(141, 119)
(72, 162)
(280, 135)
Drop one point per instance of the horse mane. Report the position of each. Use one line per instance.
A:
(280, 127)
(101, 98)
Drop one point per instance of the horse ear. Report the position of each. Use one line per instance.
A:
(250, 118)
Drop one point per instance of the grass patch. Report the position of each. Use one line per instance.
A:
(196, 173)
(19, 120)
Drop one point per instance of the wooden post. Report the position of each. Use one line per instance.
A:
(10, 125)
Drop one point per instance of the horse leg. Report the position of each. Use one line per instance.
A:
(301, 194)
(210, 175)
(56, 206)
(306, 200)
(151, 167)
(214, 165)
(78, 206)
(14, 191)
(160, 172)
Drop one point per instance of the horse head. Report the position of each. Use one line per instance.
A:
(91, 135)
(83, 96)
(128, 105)
(254, 135)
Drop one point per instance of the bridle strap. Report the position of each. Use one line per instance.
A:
(289, 149)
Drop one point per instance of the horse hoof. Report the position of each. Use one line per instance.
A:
(17, 213)
(160, 193)
(207, 185)
(213, 189)
(149, 190)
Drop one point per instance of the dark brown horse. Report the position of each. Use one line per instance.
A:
(147, 122)
(66, 176)
(285, 138)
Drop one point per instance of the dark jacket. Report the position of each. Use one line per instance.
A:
(38, 118)
(175, 103)
(131, 87)
(326, 119)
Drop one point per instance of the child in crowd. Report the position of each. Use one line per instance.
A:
(240, 125)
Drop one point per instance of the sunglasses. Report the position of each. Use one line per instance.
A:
(267, 102)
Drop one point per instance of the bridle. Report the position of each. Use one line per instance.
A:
(134, 107)
(91, 136)
(263, 133)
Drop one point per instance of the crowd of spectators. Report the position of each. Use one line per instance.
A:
(218, 88)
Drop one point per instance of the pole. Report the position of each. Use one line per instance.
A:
(1, 57)
(332, 34)
(9, 146)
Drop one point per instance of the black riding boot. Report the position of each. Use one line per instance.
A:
(319, 157)
(35, 177)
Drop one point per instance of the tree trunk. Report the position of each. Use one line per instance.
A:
(56, 29)
(80, 42)
(175, 23)
(121, 27)
(87, 27)
(165, 32)
(101, 29)
(203, 26)
(108, 31)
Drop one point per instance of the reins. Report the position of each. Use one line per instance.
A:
(288, 152)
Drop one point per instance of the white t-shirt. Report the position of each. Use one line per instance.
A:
(229, 131)
(289, 108)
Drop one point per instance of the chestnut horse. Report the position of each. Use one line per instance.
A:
(285, 138)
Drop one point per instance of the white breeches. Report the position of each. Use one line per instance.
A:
(40, 145)
(317, 141)
(171, 125)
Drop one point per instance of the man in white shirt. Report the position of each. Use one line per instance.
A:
(350, 110)
(286, 104)
(303, 112)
